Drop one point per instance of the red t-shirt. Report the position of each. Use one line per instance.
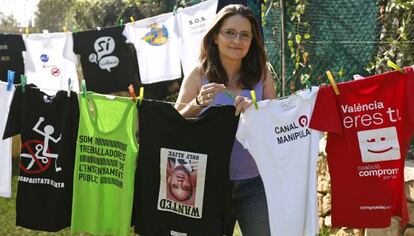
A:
(369, 129)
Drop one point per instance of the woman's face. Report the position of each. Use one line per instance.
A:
(234, 37)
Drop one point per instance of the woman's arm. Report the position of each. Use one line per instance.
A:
(192, 92)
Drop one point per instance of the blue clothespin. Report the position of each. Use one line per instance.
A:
(23, 80)
(10, 79)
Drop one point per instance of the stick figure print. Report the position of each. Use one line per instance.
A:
(47, 132)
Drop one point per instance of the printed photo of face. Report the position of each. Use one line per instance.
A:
(181, 181)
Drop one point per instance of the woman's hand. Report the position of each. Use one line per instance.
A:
(242, 103)
(208, 92)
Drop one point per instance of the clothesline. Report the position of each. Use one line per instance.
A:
(124, 97)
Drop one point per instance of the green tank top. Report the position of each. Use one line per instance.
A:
(106, 155)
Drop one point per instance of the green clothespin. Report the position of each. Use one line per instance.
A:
(83, 83)
(121, 22)
(229, 94)
(395, 66)
(175, 7)
(23, 80)
(309, 85)
(253, 95)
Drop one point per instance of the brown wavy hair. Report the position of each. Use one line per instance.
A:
(253, 64)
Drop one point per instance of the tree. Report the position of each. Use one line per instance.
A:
(51, 15)
(8, 24)
(397, 36)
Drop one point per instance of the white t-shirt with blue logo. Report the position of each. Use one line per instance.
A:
(156, 42)
(45, 64)
(286, 150)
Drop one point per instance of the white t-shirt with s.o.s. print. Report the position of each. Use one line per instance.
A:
(156, 43)
(286, 152)
(193, 23)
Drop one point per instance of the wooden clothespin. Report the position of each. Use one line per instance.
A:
(254, 99)
(10, 79)
(83, 84)
(395, 67)
(132, 92)
(23, 81)
(332, 81)
(141, 95)
(70, 85)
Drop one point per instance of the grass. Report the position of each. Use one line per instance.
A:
(8, 215)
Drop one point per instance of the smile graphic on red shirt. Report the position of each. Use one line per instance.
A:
(378, 151)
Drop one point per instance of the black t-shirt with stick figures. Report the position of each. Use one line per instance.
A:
(48, 127)
(109, 65)
(11, 58)
(182, 178)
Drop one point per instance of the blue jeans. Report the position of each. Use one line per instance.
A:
(250, 206)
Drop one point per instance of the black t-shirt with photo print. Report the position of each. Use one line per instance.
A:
(48, 126)
(182, 178)
(11, 58)
(108, 63)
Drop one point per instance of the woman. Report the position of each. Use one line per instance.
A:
(233, 61)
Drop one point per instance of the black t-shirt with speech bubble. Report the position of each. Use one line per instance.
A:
(48, 126)
(182, 178)
(11, 58)
(109, 64)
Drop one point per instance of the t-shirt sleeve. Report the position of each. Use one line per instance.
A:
(129, 33)
(20, 44)
(242, 133)
(325, 116)
(76, 39)
(68, 51)
(14, 118)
